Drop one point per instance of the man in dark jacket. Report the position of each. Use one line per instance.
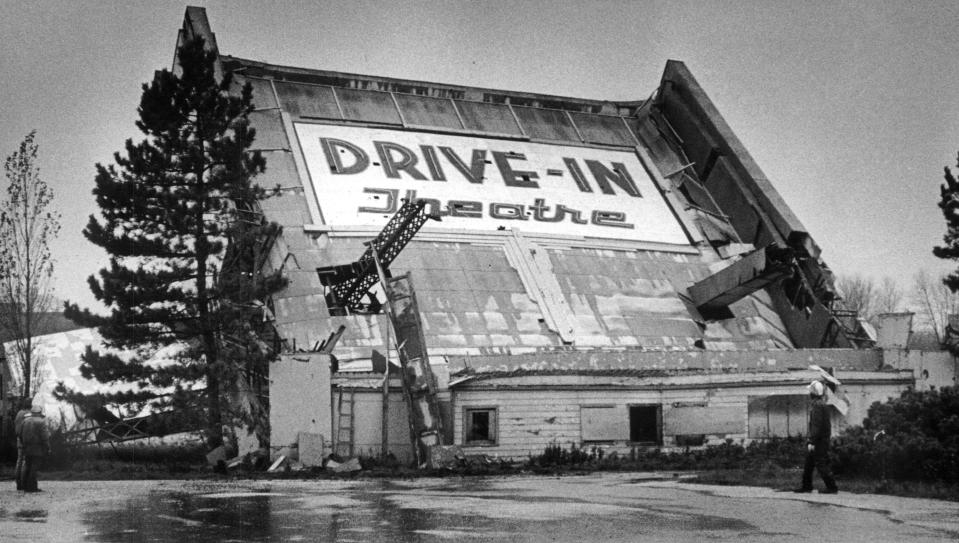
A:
(22, 414)
(35, 438)
(817, 446)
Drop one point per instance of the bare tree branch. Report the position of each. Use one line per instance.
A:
(934, 302)
(27, 227)
(868, 298)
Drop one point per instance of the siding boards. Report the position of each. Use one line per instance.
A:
(727, 419)
(529, 421)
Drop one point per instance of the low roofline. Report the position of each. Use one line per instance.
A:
(740, 361)
(520, 379)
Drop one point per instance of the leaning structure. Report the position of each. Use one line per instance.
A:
(603, 273)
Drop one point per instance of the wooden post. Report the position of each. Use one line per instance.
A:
(385, 431)
(390, 312)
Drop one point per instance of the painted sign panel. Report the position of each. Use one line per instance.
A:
(360, 175)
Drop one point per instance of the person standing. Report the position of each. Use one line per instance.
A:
(22, 414)
(817, 445)
(35, 438)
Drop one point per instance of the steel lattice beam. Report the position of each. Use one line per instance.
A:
(349, 284)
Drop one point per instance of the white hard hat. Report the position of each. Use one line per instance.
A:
(816, 388)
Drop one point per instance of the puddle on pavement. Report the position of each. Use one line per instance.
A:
(30, 515)
(379, 512)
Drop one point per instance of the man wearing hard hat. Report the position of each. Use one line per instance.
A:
(817, 444)
(35, 438)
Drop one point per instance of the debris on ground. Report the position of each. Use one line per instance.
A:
(349, 466)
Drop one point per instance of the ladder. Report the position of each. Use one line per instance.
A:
(345, 427)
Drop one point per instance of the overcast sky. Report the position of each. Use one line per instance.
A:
(850, 109)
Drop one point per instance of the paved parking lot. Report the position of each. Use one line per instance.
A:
(599, 507)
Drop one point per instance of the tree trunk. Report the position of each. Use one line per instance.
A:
(215, 422)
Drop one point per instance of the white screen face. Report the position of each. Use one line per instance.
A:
(361, 174)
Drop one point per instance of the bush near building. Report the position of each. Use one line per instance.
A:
(773, 454)
(912, 438)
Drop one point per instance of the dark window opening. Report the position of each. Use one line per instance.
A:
(480, 426)
(645, 424)
(690, 440)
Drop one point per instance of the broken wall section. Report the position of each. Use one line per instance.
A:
(689, 123)
(300, 406)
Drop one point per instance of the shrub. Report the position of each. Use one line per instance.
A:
(914, 437)
(779, 452)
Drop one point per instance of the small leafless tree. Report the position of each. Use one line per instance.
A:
(890, 298)
(27, 226)
(869, 298)
(934, 302)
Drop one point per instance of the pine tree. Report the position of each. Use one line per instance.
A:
(186, 247)
(949, 204)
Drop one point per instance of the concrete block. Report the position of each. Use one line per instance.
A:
(312, 449)
(216, 456)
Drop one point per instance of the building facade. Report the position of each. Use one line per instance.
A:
(603, 272)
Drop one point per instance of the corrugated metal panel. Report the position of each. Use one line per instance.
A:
(426, 111)
(624, 297)
(262, 91)
(287, 210)
(602, 129)
(280, 172)
(547, 124)
(303, 100)
(270, 133)
(368, 106)
(484, 117)
(667, 160)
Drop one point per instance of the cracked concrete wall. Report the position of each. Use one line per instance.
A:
(300, 392)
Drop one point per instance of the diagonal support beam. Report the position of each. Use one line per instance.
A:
(755, 271)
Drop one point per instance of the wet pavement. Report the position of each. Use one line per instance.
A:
(599, 507)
